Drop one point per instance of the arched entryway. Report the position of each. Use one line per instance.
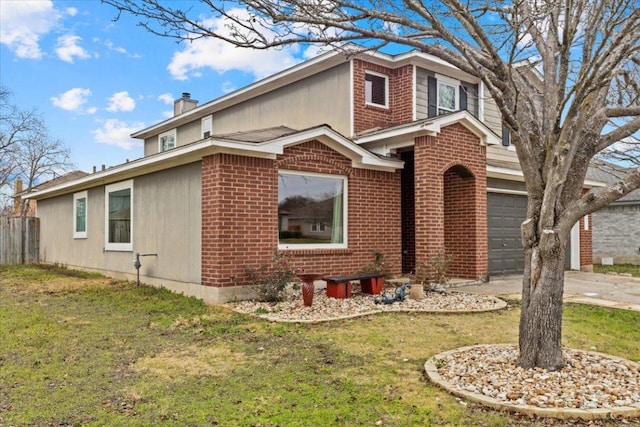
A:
(460, 214)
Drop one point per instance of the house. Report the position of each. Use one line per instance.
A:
(326, 161)
(616, 228)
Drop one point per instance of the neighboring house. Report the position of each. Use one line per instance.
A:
(399, 154)
(20, 192)
(616, 228)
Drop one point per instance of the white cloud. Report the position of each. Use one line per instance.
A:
(167, 98)
(228, 87)
(167, 114)
(116, 132)
(71, 11)
(121, 101)
(119, 49)
(221, 56)
(73, 100)
(22, 23)
(67, 48)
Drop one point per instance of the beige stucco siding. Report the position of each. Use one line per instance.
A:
(166, 221)
(320, 99)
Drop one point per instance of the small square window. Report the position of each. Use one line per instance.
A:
(447, 99)
(167, 140)
(80, 215)
(376, 88)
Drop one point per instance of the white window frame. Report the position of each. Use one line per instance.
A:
(386, 89)
(345, 211)
(204, 126)
(125, 247)
(173, 133)
(318, 228)
(449, 82)
(78, 196)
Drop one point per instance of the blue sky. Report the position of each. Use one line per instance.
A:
(96, 81)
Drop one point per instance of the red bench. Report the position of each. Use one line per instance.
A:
(340, 286)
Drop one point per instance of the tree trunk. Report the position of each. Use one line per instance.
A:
(541, 317)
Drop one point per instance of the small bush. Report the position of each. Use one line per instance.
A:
(286, 234)
(380, 264)
(434, 270)
(270, 281)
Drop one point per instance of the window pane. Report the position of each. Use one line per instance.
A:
(120, 216)
(375, 89)
(446, 97)
(81, 215)
(310, 209)
(167, 142)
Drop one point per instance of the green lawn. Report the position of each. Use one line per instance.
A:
(634, 270)
(79, 349)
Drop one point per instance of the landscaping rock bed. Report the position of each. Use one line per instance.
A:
(359, 304)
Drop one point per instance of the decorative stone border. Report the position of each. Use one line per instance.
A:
(432, 374)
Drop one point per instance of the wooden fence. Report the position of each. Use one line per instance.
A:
(19, 240)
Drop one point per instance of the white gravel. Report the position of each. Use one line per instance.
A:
(588, 381)
(326, 308)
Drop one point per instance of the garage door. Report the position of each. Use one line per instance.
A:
(505, 214)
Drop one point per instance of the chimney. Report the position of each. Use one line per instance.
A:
(184, 104)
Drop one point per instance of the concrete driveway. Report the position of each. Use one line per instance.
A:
(587, 288)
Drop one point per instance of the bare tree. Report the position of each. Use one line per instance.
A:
(563, 73)
(15, 127)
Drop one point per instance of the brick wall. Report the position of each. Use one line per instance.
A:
(451, 200)
(616, 234)
(240, 213)
(586, 243)
(400, 109)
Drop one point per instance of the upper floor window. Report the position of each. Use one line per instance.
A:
(167, 140)
(207, 123)
(448, 100)
(376, 89)
(119, 216)
(311, 210)
(80, 215)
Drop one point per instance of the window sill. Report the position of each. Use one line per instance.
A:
(376, 106)
(320, 251)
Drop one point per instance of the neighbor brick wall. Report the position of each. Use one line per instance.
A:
(400, 109)
(586, 243)
(240, 213)
(462, 207)
(616, 234)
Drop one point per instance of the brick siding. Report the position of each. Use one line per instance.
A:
(400, 108)
(616, 234)
(451, 200)
(240, 213)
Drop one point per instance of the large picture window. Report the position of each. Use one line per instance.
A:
(311, 210)
(119, 216)
(80, 215)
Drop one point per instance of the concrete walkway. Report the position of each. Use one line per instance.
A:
(586, 288)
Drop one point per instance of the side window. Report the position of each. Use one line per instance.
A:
(167, 140)
(376, 89)
(312, 211)
(119, 216)
(506, 137)
(80, 215)
(206, 126)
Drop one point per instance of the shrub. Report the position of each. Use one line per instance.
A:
(434, 270)
(270, 281)
(380, 264)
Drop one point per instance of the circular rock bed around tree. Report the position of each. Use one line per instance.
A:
(590, 386)
(361, 304)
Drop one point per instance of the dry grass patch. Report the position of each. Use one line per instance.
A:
(193, 361)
